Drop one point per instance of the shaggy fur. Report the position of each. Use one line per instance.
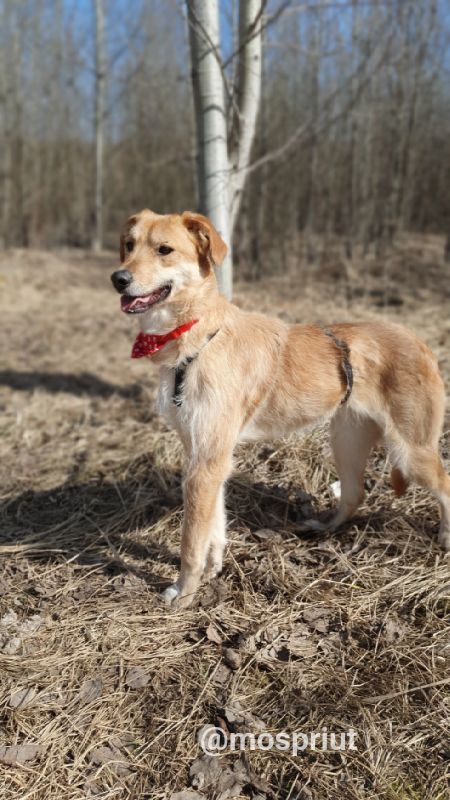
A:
(260, 378)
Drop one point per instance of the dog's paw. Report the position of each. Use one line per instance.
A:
(336, 489)
(183, 601)
(170, 594)
(174, 597)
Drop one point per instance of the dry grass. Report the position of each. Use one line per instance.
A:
(302, 631)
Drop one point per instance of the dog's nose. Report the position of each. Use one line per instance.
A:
(121, 278)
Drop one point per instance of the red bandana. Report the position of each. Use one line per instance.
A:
(146, 344)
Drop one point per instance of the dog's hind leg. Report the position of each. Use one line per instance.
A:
(424, 466)
(352, 438)
(413, 443)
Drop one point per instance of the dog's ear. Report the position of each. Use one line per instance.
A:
(211, 247)
(129, 224)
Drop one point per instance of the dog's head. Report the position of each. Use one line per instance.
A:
(163, 254)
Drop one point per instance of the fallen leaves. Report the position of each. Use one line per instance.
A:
(136, 678)
(22, 698)
(272, 644)
(228, 780)
(233, 658)
(91, 690)
(213, 635)
(13, 631)
(9, 619)
(318, 618)
(111, 756)
(10, 645)
(268, 535)
(20, 754)
(393, 629)
(238, 717)
(221, 675)
(31, 625)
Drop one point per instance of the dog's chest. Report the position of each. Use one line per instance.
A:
(165, 404)
(186, 414)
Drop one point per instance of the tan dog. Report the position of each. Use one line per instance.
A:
(228, 375)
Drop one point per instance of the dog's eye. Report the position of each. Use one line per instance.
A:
(129, 246)
(164, 250)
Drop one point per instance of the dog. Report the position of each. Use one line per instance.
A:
(228, 375)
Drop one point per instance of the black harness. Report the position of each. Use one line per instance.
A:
(180, 372)
(346, 367)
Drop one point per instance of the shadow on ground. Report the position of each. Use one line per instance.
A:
(118, 523)
(92, 522)
(84, 383)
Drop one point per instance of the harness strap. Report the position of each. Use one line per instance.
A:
(180, 372)
(342, 346)
(346, 366)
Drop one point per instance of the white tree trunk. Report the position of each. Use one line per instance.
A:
(100, 69)
(248, 98)
(211, 125)
(221, 177)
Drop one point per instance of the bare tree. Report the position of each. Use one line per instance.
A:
(211, 124)
(100, 70)
(221, 163)
(248, 98)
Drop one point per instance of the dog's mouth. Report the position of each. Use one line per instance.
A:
(138, 305)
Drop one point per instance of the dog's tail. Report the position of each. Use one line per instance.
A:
(398, 481)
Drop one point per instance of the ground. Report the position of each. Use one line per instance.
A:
(103, 689)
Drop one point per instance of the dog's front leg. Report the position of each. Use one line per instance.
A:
(203, 493)
(218, 538)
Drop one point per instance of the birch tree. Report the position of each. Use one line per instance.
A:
(211, 124)
(100, 68)
(223, 157)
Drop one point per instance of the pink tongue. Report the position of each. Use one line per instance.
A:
(140, 301)
(135, 302)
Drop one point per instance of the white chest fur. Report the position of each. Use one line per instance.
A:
(193, 416)
(165, 405)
